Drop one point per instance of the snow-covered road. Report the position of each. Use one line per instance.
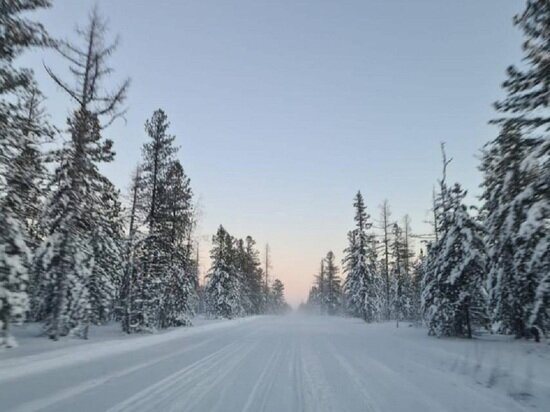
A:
(281, 364)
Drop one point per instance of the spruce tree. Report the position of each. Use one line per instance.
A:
(517, 186)
(253, 276)
(332, 294)
(417, 279)
(456, 272)
(320, 295)
(399, 301)
(17, 34)
(278, 298)
(223, 287)
(361, 285)
(176, 210)
(107, 245)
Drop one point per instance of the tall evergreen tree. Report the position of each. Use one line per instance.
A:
(517, 186)
(223, 287)
(278, 298)
(417, 280)
(361, 285)
(17, 34)
(107, 246)
(253, 276)
(332, 295)
(457, 272)
(65, 259)
(165, 294)
(176, 212)
(399, 301)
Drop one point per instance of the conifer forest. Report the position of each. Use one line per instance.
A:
(117, 291)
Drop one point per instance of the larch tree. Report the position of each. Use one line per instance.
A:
(385, 215)
(65, 260)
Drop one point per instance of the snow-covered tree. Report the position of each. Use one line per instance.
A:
(516, 185)
(176, 212)
(223, 289)
(165, 293)
(526, 103)
(278, 302)
(332, 294)
(65, 260)
(385, 223)
(17, 34)
(130, 285)
(107, 245)
(417, 279)
(253, 276)
(400, 286)
(454, 297)
(361, 288)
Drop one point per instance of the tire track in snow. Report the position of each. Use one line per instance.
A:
(199, 390)
(297, 375)
(362, 385)
(165, 386)
(207, 385)
(318, 392)
(357, 380)
(193, 381)
(57, 397)
(262, 388)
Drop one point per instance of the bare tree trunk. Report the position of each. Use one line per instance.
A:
(385, 227)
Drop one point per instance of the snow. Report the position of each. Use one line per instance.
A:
(293, 363)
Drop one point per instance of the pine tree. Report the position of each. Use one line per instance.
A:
(17, 34)
(166, 292)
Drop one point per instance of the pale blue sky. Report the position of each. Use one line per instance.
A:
(284, 109)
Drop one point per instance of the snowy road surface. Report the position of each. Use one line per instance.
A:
(281, 364)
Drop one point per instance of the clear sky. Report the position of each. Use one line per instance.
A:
(284, 109)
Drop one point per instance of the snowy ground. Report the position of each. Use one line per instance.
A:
(292, 363)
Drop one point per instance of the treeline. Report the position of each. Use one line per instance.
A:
(486, 267)
(237, 285)
(71, 255)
